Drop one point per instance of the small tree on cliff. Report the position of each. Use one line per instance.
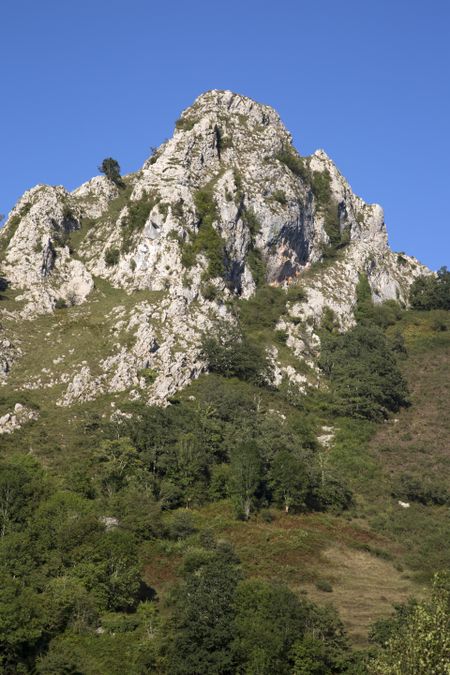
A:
(111, 168)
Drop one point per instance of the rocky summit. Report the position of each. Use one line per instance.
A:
(108, 290)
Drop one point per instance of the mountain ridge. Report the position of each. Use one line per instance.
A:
(224, 206)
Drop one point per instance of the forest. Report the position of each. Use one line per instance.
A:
(75, 536)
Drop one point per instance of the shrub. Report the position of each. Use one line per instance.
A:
(207, 240)
(281, 336)
(440, 321)
(296, 294)
(181, 525)
(321, 187)
(423, 490)
(222, 142)
(185, 123)
(263, 309)
(112, 256)
(111, 169)
(233, 355)
(257, 266)
(138, 213)
(60, 304)
(366, 380)
(324, 586)
(294, 163)
(149, 375)
(431, 292)
(280, 197)
(266, 515)
(250, 219)
(209, 291)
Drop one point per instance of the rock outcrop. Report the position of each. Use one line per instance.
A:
(224, 205)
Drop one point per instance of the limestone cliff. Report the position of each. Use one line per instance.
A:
(225, 205)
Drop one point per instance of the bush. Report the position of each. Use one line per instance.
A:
(266, 516)
(324, 586)
(111, 169)
(149, 375)
(257, 266)
(250, 219)
(440, 321)
(181, 525)
(112, 256)
(263, 309)
(321, 187)
(431, 292)
(209, 291)
(294, 163)
(60, 304)
(423, 490)
(185, 123)
(138, 213)
(207, 240)
(233, 355)
(280, 197)
(366, 380)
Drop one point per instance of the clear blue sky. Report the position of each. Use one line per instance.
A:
(367, 80)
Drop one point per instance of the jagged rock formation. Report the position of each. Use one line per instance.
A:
(15, 419)
(223, 205)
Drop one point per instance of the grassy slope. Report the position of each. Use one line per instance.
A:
(380, 554)
(58, 343)
(373, 557)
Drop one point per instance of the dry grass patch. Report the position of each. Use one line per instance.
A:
(364, 588)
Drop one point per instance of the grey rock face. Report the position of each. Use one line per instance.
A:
(38, 258)
(229, 178)
(16, 418)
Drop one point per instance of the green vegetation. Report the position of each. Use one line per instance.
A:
(320, 183)
(112, 256)
(366, 381)
(198, 537)
(60, 304)
(134, 221)
(431, 292)
(149, 375)
(231, 354)
(13, 224)
(280, 197)
(289, 157)
(417, 640)
(223, 142)
(327, 205)
(185, 123)
(207, 240)
(111, 169)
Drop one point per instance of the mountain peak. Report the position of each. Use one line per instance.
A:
(224, 206)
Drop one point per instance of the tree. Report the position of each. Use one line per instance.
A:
(431, 292)
(21, 487)
(245, 476)
(269, 620)
(200, 631)
(366, 380)
(111, 168)
(276, 632)
(22, 623)
(421, 644)
(232, 354)
(288, 479)
(116, 463)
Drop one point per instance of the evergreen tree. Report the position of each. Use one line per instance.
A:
(111, 169)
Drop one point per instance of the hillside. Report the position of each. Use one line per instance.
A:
(216, 404)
